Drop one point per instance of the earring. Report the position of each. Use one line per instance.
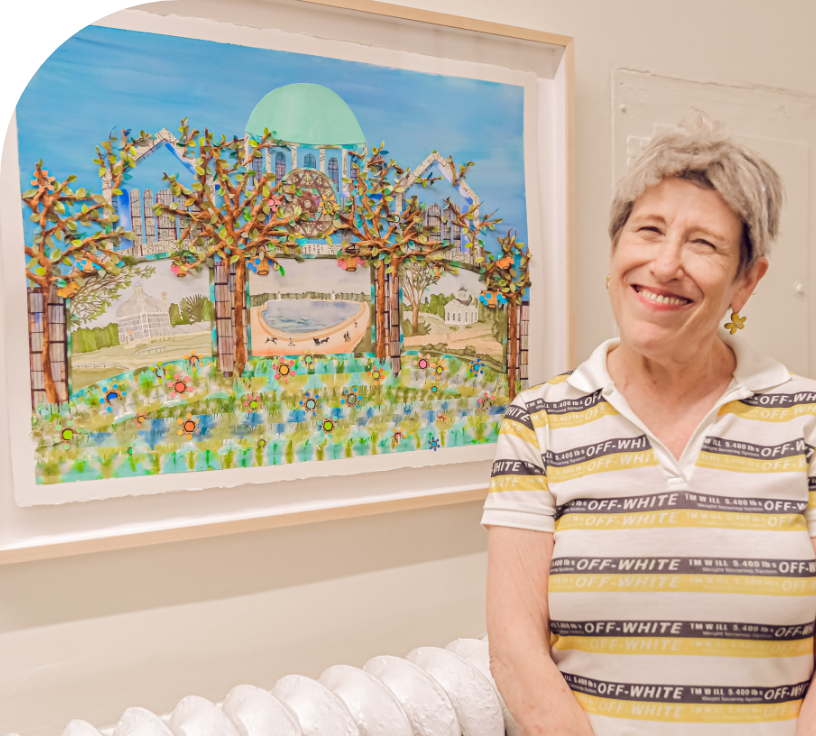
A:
(607, 282)
(736, 323)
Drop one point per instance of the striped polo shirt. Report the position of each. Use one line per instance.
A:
(682, 593)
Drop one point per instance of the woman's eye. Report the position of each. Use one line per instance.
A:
(700, 241)
(649, 229)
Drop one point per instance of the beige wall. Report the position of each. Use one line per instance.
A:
(87, 636)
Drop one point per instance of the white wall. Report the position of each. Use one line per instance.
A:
(86, 636)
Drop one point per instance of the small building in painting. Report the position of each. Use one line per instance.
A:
(142, 317)
(463, 310)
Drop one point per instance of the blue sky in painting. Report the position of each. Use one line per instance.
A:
(105, 79)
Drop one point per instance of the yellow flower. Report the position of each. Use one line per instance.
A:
(736, 323)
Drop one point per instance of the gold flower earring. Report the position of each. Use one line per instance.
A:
(607, 282)
(736, 323)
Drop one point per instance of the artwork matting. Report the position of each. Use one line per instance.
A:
(350, 466)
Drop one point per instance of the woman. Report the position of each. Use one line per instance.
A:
(651, 568)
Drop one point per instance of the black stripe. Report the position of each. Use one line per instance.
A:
(684, 630)
(679, 500)
(683, 566)
(566, 406)
(518, 414)
(723, 446)
(771, 400)
(709, 694)
(515, 467)
(608, 447)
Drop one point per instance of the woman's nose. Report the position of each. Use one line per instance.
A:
(667, 264)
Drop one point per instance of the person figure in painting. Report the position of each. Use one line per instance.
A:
(651, 559)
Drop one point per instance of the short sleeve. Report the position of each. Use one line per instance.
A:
(519, 495)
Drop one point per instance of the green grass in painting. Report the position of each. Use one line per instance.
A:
(182, 417)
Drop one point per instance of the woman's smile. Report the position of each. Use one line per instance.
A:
(660, 299)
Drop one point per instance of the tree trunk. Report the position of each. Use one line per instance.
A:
(51, 394)
(415, 316)
(239, 312)
(512, 342)
(395, 345)
(379, 312)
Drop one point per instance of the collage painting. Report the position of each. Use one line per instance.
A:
(243, 257)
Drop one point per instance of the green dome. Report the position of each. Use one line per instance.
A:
(307, 114)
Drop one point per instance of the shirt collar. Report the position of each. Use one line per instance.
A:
(755, 371)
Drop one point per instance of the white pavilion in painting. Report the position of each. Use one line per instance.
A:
(142, 317)
(463, 310)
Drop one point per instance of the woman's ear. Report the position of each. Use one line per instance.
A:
(747, 284)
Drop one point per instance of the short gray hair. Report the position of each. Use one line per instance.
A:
(702, 151)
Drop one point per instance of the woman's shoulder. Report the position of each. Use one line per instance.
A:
(549, 393)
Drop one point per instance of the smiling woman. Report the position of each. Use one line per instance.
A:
(651, 514)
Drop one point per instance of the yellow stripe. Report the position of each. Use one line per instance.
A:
(716, 461)
(683, 518)
(619, 461)
(697, 583)
(683, 647)
(558, 379)
(577, 418)
(688, 712)
(812, 500)
(516, 429)
(540, 419)
(518, 483)
(767, 413)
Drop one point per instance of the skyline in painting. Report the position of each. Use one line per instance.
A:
(146, 81)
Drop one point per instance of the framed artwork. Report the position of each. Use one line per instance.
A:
(239, 256)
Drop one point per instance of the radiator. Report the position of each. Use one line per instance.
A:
(430, 692)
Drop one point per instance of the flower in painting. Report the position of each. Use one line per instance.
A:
(435, 444)
(398, 435)
(327, 425)
(112, 393)
(485, 401)
(434, 389)
(180, 385)
(67, 433)
(140, 417)
(350, 397)
(262, 443)
(274, 202)
(252, 403)
(423, 362)
(187, 426)
(492, 299)
(159, 370)
(476, 367)
(308, 358)
(442, 417)
(283, 369)
(311, 402)
(193, 358)
(438, 369)
(377, 375)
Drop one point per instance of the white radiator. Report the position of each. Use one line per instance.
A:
(431, 692)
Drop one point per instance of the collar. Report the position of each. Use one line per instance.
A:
(755, 371)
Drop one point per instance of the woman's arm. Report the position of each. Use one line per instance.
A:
(806, 724)
(518, 565)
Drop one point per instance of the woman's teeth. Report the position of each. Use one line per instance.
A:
(660, 299)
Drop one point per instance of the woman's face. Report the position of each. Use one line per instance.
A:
(673, 272)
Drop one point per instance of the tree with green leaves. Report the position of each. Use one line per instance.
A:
(506, 277)
(385, 236)
(233, 215)
(416, 277)
(104, 288)
(76, 236)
